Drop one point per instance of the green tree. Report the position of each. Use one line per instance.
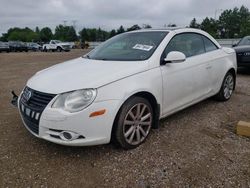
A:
(194, 24)
(230, 22)
(120, 30)
(46, 34)
(84, 35)
(172, 25)
(134, 27)
(22, 34)
(65, 33)
(210, 25)
(244, 17)
(146, 26)
(112, 33)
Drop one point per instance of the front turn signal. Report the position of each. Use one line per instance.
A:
(97, 113)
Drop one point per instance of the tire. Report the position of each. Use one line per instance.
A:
(45, 49)
(59, 49)
(227, 88)
(133, 123)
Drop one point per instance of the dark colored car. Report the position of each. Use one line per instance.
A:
(34, 46)
(18, 46)
(243, 52)
(4, 47)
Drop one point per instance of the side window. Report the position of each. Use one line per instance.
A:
(190, 44)
(209, 45)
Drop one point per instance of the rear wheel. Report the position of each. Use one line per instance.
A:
(134, 123)
(59, 49)
(227, 87)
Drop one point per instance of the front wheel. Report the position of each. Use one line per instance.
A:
(134, 123)
(227, 88)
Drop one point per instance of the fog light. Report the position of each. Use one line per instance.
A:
(68, 136)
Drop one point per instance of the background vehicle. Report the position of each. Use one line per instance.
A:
(121, 89)
(243, 52)
(4, 47)
(18, 46)
(34, 46)
(56, 45)
(72, 45)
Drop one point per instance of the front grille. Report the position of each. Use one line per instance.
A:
(32, 103)
(66, 46)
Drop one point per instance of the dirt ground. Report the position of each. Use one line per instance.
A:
(196, 147)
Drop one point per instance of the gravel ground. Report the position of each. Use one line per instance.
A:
(196, 147)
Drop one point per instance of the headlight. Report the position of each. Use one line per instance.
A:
(75, 101)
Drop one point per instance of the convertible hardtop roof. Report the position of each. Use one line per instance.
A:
(177, 30)
(168, 29)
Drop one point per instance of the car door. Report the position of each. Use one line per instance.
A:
(216, 57)
(188, 81)
(53, 45)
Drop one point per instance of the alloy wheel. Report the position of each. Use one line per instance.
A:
(228, 86)
(137, 123)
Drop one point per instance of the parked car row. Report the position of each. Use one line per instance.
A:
(4, 47)
(18, 46)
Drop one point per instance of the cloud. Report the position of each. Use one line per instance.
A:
(108, 14)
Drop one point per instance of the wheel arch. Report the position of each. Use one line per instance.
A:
(233, 71)
(151, 99)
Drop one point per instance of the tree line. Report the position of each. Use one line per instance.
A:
(232, 23)
(63, 33)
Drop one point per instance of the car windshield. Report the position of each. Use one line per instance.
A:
(244, 41)
(128, 46)
(57, 41)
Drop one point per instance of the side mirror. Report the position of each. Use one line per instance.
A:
(175, 57)
(234, 45)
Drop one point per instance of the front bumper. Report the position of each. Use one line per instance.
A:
(90, 130)
(65, 48)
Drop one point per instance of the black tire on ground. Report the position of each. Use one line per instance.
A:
(227, 88)
(133, 123)
(59, 49)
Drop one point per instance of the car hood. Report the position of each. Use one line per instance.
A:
(83, 73)
(239, 49)
(63, 43)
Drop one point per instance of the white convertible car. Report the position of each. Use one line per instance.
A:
(121, 89)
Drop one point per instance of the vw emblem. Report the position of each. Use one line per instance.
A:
(27, 95)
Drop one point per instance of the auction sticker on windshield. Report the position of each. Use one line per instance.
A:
(143, 47)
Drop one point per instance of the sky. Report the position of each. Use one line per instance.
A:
(109, 14)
